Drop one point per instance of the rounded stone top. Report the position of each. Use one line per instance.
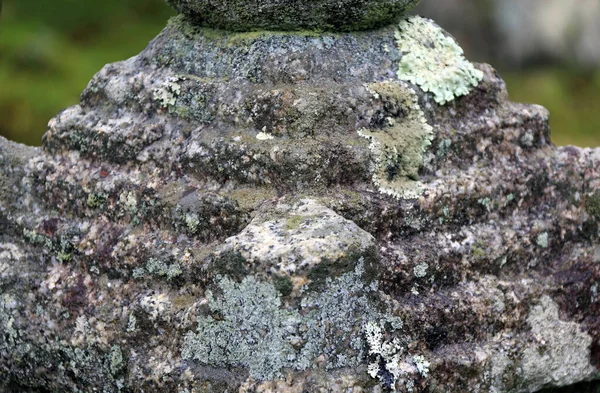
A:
(288, 15)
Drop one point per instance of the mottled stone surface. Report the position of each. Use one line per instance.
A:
(148, 245)
(285, 15)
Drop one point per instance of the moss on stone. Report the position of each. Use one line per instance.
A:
(329, 269)
(283, 284)
(592, 205)
(230, 264)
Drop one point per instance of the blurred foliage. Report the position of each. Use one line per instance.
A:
(49, 50)
(571, 96)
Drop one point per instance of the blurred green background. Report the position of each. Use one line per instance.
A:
(49, 50)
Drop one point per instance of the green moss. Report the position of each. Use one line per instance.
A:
(192, 30)
(251, 198)
(592, 205)
(328, 269)
(283, 285)
(434, 61)
(231, 264)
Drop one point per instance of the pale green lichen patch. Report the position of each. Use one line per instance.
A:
(116, 362)
(399, 147)
(542, 240)
(61, 247)
(249, 326)
(252, 330)
(264, 136)
(420, 270)
(166, 94)
(434, 61)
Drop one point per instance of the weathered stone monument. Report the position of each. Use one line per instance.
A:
(329, 199)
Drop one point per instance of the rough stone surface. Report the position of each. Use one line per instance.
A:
(285, 15)
(208, 220)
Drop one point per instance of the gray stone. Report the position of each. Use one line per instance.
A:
(285, 15)
(280, 212)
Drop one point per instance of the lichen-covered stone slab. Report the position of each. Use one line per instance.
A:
(287, 15)
(280, 212)
(298, 236)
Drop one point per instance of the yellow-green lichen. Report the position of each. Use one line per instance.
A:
(294, 222)
(95, 201)
(399, 147)
(434, 61)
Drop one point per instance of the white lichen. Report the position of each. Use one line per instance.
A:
(386, 355)
(168, 92)
(422, 365)
(192, 222)
(390, 361)
(560, 353)
(264, 136)
(131, 323)
(434, 61)
(420, 270)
